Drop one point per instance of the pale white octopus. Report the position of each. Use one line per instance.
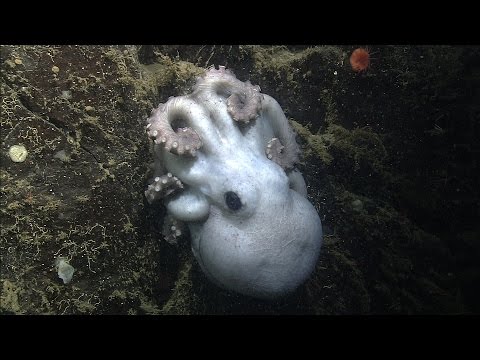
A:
(225, 157)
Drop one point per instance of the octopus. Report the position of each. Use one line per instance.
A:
(225, 165)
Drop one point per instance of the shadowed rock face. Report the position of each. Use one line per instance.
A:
(78, 111)
(253, 230)
(383, 137)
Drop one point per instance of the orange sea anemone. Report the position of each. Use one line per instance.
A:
(360, 59)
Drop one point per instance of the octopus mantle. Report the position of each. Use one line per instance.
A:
(225, 164)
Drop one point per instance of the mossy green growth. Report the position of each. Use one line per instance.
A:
(317, 144)
(183, 300)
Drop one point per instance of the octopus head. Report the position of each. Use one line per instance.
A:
(262, 238)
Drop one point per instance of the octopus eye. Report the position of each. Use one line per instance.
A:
(233, 201)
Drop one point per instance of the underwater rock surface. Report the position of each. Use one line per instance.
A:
(400, 137)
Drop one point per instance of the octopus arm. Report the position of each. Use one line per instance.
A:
(290, 151)
(297, 182)
(189, 205)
